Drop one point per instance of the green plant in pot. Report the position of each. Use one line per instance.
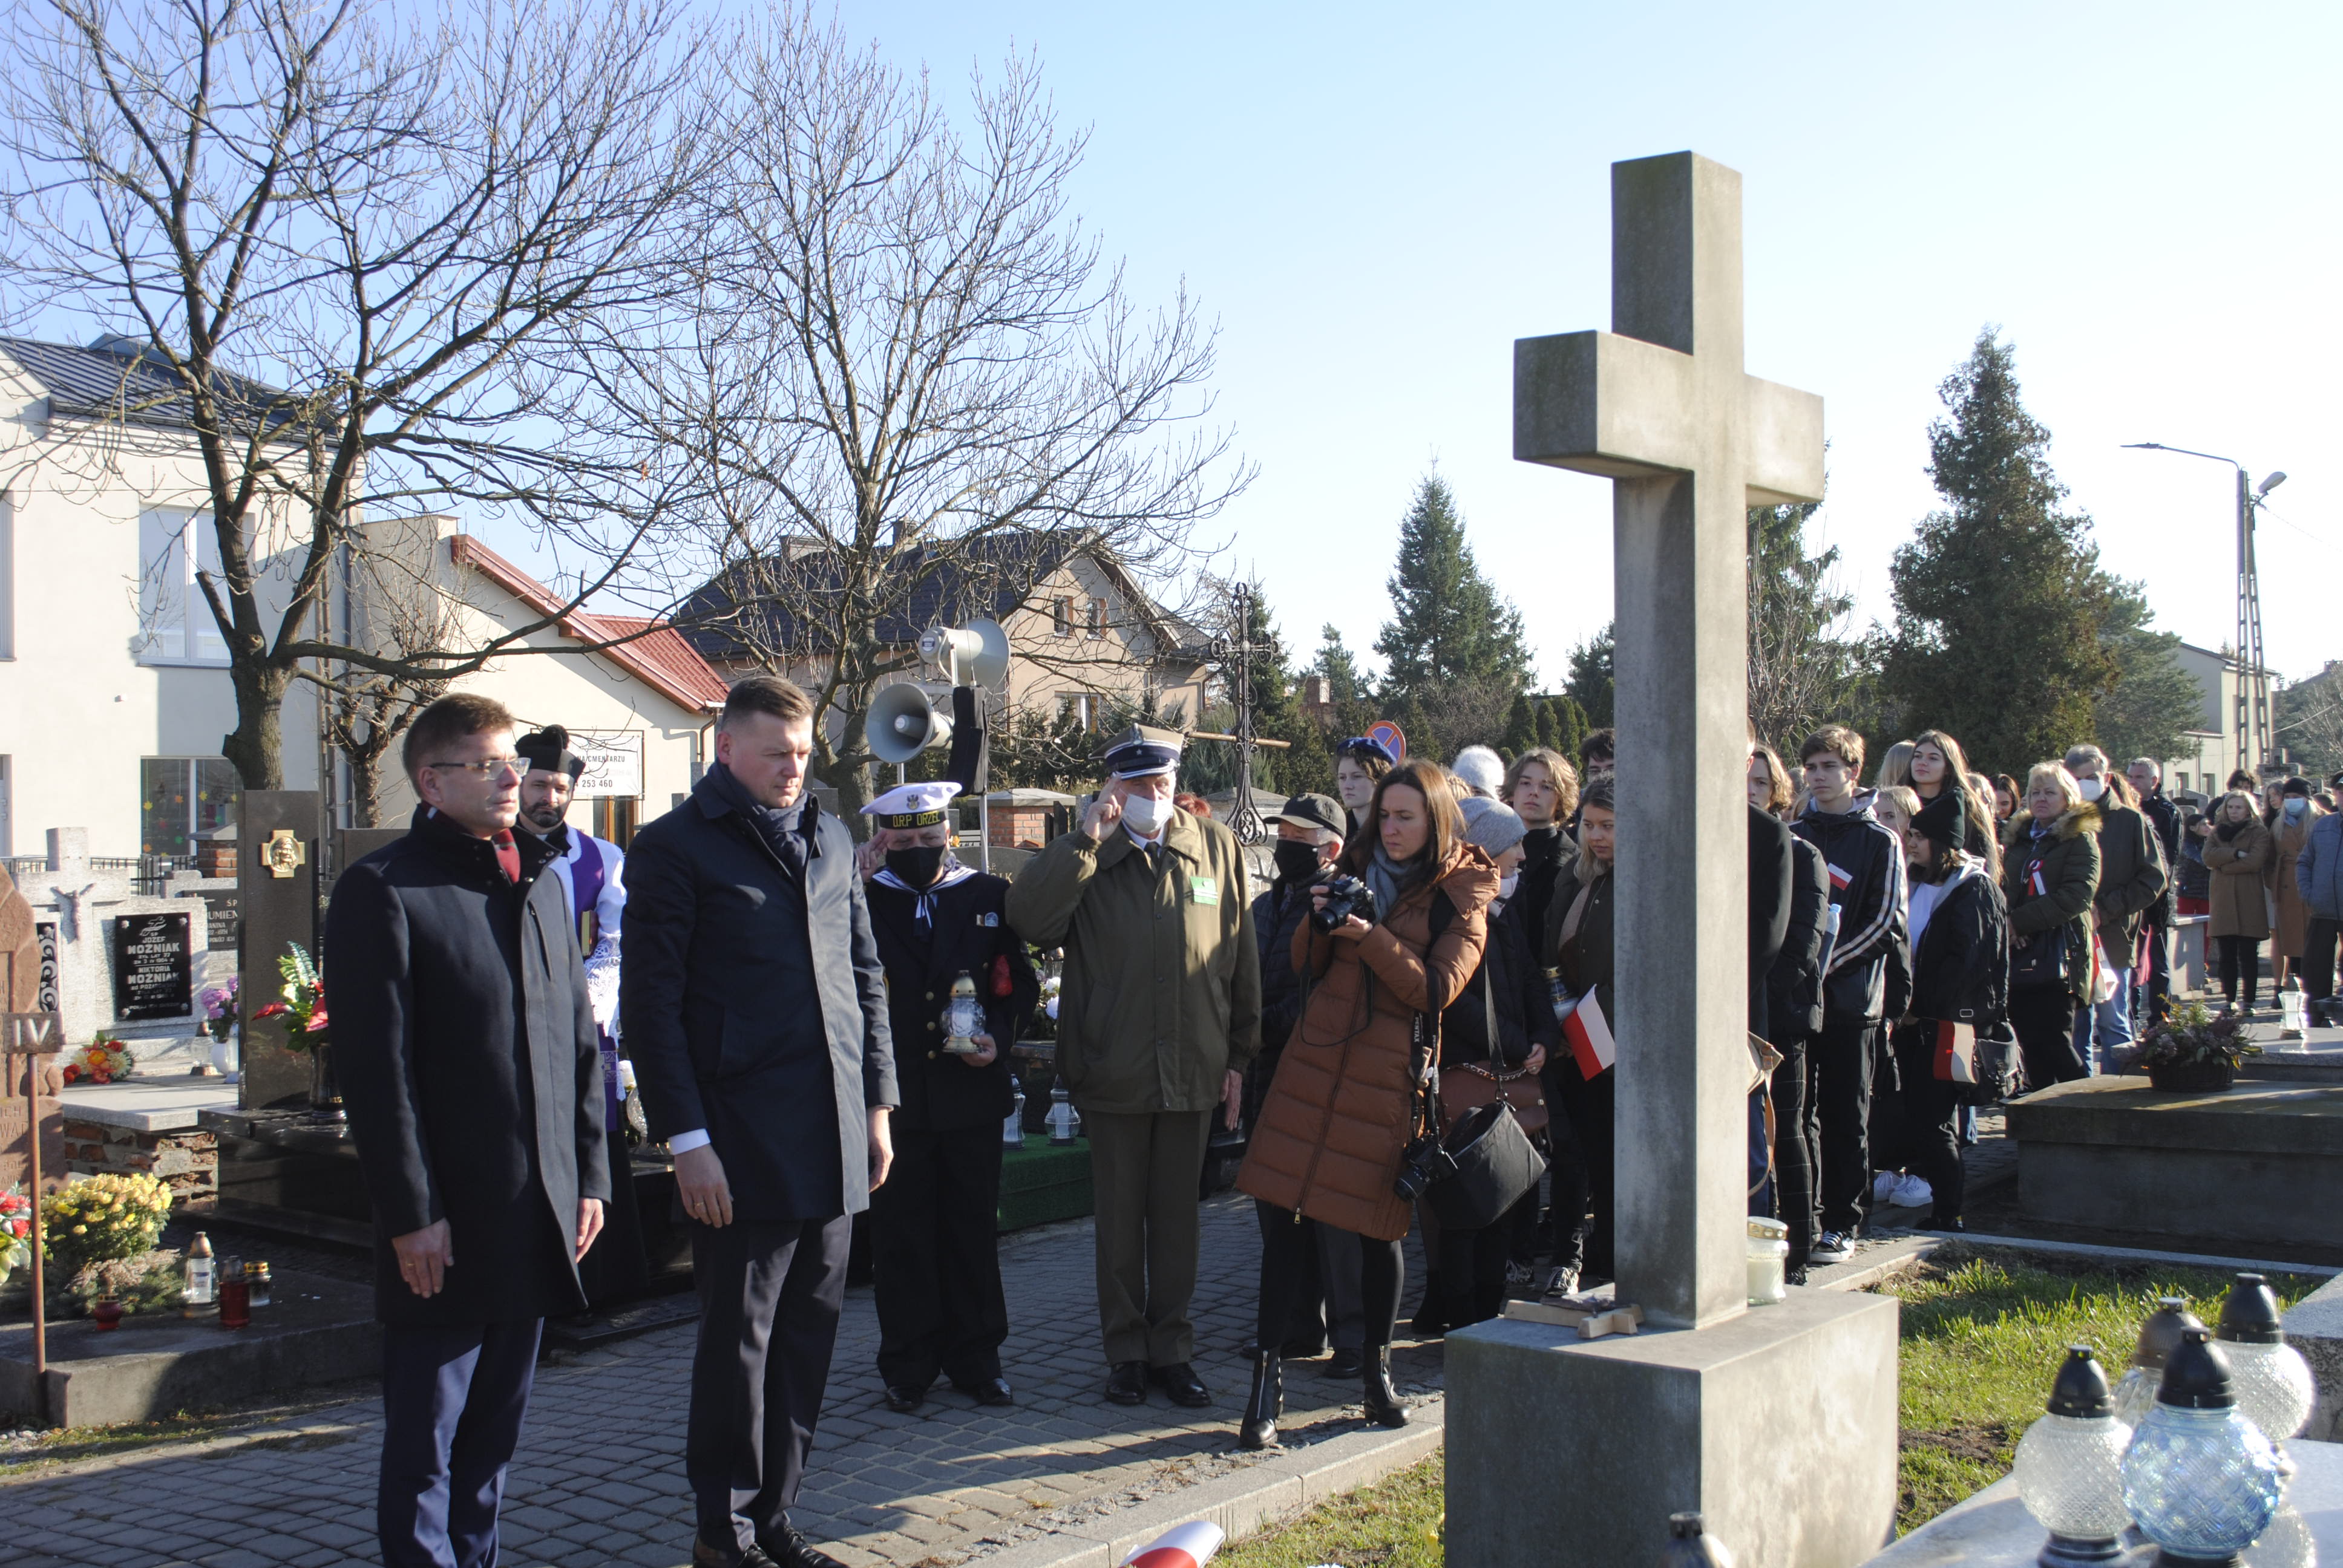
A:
(2193, 1052)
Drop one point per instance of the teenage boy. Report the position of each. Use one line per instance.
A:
(1867, 959)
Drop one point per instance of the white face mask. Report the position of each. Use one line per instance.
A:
(1147, 813)
(2092, 789)
(1507, 883)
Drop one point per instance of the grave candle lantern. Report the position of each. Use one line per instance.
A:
(2069, 1469)
(2201, 1480)
(2159, 1336)
(2274, 1385)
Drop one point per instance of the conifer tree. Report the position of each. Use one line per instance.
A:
(1591, 685)
(1999, 599)
(1548, 732)
(1520, 727)
(1449, 626)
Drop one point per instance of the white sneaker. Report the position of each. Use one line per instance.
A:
(1883, 1185)
(1913, 1192)
(1830, 1247)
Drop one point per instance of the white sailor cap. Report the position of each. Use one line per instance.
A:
(912, 805)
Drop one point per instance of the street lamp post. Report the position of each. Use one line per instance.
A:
(2251, 710)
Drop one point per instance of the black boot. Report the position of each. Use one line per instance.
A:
(1383, 1407)
(1267, 1403)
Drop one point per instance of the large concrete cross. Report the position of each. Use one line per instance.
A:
(1661, 405)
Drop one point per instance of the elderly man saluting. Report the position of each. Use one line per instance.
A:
(1159, 1011)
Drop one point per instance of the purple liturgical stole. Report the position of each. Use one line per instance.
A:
(585, 879)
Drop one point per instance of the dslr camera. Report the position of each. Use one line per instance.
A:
(1345, 897)
(1425, 1162)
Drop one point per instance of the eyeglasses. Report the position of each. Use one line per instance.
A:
(488, 767)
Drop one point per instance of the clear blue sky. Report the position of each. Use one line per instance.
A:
(1375, 201)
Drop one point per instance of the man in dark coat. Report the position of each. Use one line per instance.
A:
(754, 1009)
(934, 1226)
(2146, 775)
(469, 1063)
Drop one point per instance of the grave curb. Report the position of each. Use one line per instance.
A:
(1243, 1503)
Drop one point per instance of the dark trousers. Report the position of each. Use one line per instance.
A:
(2159, 972)
(1144, 1189)
(453, 1398)
(2042, 1016)
(1286, 1241)
(1838, 1109)
(1794, 1151)
(2321, 940)
(936, 1258)
(1470, 1279)
(2240, 958)
(769, 1300)
(1584, 1175)
(1928, 1142)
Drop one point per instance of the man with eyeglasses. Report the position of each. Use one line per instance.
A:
(468, 1061)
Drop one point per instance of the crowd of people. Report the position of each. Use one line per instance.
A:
(816, 1030)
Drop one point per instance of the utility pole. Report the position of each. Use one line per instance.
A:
(2250, 710)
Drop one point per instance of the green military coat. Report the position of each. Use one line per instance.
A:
(1162, 992)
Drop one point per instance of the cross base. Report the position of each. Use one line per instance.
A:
(1778, 1425)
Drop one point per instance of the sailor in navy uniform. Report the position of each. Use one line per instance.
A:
(934, 1255)
(592, 872)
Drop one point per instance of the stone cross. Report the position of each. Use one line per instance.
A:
(1660, 405)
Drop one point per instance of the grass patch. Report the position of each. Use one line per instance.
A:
(1394, 1523)
(1983, 1334)
(34, 1451)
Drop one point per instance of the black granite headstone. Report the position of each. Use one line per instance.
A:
(276, 884)
(152, 968)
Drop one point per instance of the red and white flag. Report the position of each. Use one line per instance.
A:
(1188, 1545)
(1589, 1033)
(1840, 879)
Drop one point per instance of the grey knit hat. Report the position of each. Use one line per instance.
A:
(1492, 825)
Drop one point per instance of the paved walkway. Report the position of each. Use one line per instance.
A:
(599, 1477)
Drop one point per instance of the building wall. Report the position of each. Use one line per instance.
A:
(80, 707)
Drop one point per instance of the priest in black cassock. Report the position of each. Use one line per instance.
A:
(934, 1256)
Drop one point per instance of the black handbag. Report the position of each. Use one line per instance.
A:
(1497, 1163)
(1996, 1068)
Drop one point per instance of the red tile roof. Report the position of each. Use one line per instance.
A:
(660, 658)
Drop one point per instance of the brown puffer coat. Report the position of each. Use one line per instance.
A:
(1339, 1111)
(2239, 907)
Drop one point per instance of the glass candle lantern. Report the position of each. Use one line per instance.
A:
(1065, 1121)
(1690, 1545)
(199, 1293)
(1012, 1129)
(2201, 1478)
(963, 1018)
(2274, 1384)
(2159, 1335)
(1769, 1257)
(2069, 1469)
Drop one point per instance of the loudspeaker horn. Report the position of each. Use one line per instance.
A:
(974, 654)
(903, 723)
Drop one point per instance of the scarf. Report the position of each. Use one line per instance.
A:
(1389, 879)
(953, 871)
(784, 830)
(2226, 831)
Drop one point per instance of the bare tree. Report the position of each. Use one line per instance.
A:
(350, 249)
(403, 614)
(911, 388)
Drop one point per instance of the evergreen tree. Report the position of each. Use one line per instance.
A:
(2154, 701)
(1449, 626)
(1338, 665)
(1591, 687)
(1548, 732)
(1999, 599)
(1802, 666)
(1520, 727)
(1571, 726)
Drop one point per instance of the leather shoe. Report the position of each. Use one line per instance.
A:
(1180, 1381)
(707, 1554)
(1345, 1364)
(994, 1392)
(903, 1399)
(1127, 1383)
(785, 1547)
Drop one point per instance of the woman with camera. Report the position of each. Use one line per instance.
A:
(1392, 939)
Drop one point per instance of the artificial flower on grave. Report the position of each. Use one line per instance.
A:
(102, 1061)
(2191, 1036)
(219, 1008)
(305, 1000)
(102, 1218)
(15, 1231)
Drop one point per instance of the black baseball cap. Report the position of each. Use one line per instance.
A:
(1313, 811)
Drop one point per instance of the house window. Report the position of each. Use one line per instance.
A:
(175, 623)
(1076, 706)
(1064, 617)
(183, 799)
(1098, 617)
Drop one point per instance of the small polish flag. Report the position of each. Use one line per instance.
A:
(2040, 886)
(1839, 879)
(1188, 1545)
(1590, 1037)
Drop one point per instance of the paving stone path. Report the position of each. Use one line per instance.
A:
(600, 1476)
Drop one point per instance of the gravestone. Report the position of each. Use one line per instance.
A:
(114, 958)
(28, 1084)
(154, 974)
(277, 874)
(1779, 1424)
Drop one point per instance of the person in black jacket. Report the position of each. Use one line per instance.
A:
(1862, 978)
(754, 1005)
(1327, 1311)
(934, 1226)
(1541, 788)
(472, 1072)
(1960, 974)
(1793, 1011)
(2146, 775)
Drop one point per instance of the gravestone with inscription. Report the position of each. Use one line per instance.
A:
(154, 975)
(116, 959)
(1778, 1424)
(28, 1084)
